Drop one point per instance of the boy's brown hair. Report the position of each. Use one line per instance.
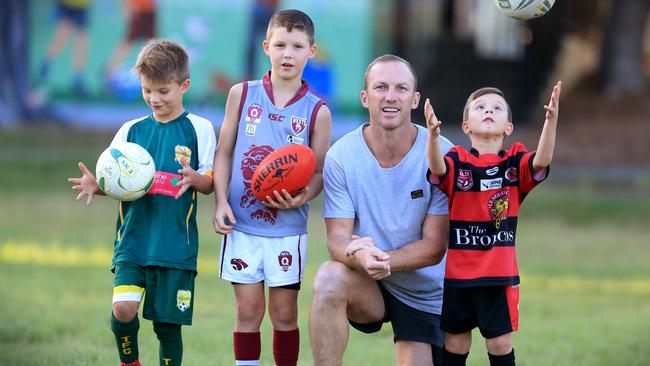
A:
(481, 92)
(162, 60)
(290, 19)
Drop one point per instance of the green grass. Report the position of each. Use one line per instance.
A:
(583, 253)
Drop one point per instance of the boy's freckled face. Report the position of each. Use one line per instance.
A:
(288, 51)
(164, 98)
(488, 114)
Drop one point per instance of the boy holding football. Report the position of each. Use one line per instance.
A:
(485, 187)
(266, 241)
(156, 242)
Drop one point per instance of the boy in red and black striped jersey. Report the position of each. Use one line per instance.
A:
(485, 186)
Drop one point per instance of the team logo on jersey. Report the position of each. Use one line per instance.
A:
(464, 180)
(298, 124)
(249, 162)
(489, 184)
(182, 154)
(512, 174)
(238, 264)
(498, 206)
(492, 171)
(295, 139)
(254, 113)
(284, 260)
(183, 299)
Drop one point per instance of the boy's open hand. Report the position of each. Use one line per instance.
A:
(284, 201)
(190, 178)
(86, 184)
(553, 107)
(433, 124)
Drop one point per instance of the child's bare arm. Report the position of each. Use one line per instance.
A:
(434, 153)
(546, 145)
(223, 215)
(320, 143)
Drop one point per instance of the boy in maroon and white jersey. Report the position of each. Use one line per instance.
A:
(485, 186)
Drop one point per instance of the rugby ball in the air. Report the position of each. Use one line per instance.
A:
(125, 171)
(289, 167)
(524, 9)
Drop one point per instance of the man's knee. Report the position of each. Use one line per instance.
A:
(330, 283)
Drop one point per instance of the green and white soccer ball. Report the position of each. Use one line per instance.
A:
(125, 171)
(524, 9)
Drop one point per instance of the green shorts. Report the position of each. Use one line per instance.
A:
(168, 292)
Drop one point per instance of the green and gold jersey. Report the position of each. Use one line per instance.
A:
(157, 229)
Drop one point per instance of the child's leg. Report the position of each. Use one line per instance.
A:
(250, 312)
(500, 350)
(457, 347)
(171, 343)
(125, 326)
(283, 310)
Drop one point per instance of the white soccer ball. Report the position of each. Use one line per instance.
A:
(125, 171)
(524, 9)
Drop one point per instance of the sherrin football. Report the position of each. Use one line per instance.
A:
(125, 171)
(289, 167)
(524, 9)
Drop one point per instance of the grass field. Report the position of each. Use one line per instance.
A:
(583, 251)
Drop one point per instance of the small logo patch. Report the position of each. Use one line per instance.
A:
(250, 130)
(488, 184)
(254, 113)
(464, 180)
(183, 299)
(417, 194)
(498, 206)
(284, 260)
(182, 154)
(512, 174)
(238, 264)
(298, 124)
(492, 171)
(295, 139)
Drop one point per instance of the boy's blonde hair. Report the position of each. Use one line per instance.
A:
(290, 19)
(481, 92)
(162, 60)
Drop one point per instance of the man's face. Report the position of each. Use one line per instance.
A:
(389, 95)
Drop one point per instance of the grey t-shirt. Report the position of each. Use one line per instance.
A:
(389, 205)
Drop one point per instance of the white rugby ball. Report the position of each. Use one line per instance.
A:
(524, 9)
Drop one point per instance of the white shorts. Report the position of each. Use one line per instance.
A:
(247, 258)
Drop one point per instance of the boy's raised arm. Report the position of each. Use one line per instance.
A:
(434, 153)
(546, 145)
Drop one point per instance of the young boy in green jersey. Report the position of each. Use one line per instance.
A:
(265, 243)
(156, 242)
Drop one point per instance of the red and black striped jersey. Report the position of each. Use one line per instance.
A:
(485, 193)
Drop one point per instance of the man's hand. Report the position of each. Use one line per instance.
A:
(86, 184)
(371, 259)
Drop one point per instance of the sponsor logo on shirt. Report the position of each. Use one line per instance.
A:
(498, 206)
(276, 117)
(250, 130)
(295, 139)
(464, 180)
(165, 183)
(492, 171)
(488, 184)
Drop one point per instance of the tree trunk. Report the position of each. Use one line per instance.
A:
(621, 67)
